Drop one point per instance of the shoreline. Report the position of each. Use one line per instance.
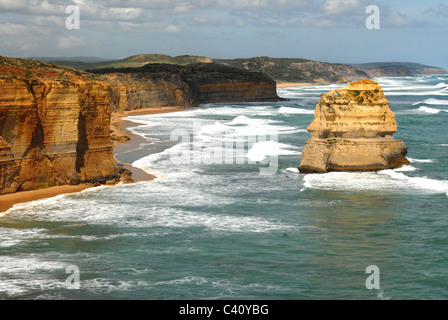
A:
(127, 141)
(282, 85)
(7, 201)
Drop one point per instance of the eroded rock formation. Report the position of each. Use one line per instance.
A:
(160, 85)
(54, 128)
(352, 131)
(55, 121)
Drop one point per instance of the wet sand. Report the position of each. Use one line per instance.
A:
(9, 200)
(120, 128)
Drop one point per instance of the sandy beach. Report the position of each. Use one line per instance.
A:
(293, 84)
(125, 141)
(7, 201)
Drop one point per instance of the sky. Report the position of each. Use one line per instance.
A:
(323, 30)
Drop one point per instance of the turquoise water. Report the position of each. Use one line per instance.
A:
(224, 231)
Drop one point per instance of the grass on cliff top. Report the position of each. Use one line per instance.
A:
(286, 69)
(280, 69)
(136, 61)
(207, 72)
(31, 69)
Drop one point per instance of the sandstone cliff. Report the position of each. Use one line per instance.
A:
(133, 91)
(159, 85)
(55, 121)
(352, 131)
(54, 127)
(280, 69)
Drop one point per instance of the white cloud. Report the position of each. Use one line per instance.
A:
(117, 21)
(333, 7)
(65, 43)
(12, 29)
(120, 13)
(182, 9)
(173, 29)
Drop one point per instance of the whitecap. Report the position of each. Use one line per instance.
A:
(408, 168)
(213, 128)
(261, 150)
(11, 236)
(419, 183)
(416, 93)
(429, 110)
(441, 85)
(421, 160)
(289, 110)
(387, 181)
(433, 101)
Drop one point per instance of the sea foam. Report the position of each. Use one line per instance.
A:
(430, 110)
(433, 101)
(289, 110)
(261, 150)
(387, 181)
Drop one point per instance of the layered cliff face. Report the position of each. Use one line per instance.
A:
(352, 131)
(55, 121)
(54, 128)
(145, 90)
(159, 85)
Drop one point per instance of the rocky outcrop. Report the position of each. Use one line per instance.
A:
(54, 128)
(134, 91)
(159, 85)
(298, 70)
(293, 70)
(352, 131)
(55, 121)
(388, 71)
(398, 69)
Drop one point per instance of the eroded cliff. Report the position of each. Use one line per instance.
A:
(54, 127)
(55, 121)
(352, 131)
(159, 85)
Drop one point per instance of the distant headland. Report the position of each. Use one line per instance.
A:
(282, 70)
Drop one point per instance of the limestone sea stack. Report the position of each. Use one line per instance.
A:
(352, 131)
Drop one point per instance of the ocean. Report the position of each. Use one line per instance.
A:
(228, 222)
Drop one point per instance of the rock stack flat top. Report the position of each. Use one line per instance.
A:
(352, 131)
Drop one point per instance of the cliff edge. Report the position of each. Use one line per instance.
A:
(352, 131)
(54, 127)
(161, 85)
(55, 121)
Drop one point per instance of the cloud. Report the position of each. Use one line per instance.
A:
(32, 7)
(65, 43)
(12, 29)
(333, 7)
(41, 23)
(120, 13)
(440, 10)
(173, 29)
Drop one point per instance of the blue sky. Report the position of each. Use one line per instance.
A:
(325, 30)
